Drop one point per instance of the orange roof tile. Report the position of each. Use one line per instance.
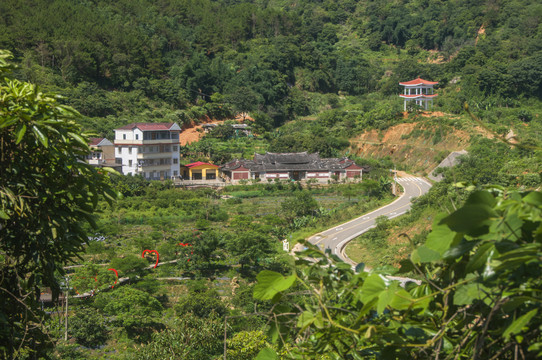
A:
(418, 81)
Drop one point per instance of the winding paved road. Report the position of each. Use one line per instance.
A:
(337, 237)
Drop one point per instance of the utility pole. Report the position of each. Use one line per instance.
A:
(66, 316)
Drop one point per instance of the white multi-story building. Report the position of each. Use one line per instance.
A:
(147, 149)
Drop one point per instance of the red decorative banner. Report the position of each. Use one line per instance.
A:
(152, 251)
(116, 273)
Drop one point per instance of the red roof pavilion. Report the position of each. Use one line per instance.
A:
(418, 81)
(419, 90)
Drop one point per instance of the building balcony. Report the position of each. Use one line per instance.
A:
(154, 155)
(146, 142)
(147, 166)
(416, 96)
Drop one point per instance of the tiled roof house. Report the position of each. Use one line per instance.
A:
(292, 166)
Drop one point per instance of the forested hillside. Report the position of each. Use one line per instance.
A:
(182, 60)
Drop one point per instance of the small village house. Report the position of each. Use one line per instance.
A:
(293, 166)
(102, 151)
(199, 171)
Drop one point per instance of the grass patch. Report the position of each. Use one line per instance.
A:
(391, 242)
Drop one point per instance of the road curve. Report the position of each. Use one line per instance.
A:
(337, 237)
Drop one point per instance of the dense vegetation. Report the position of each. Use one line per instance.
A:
(478, 296)
(181, 60)
(212, 245)
(46, 197)
(311, 75)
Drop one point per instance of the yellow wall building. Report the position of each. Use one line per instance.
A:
(199, 171)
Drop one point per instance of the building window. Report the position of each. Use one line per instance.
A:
(175, 148)
(175, 173)
(118, 161)
(130, 163)
(175, 160)
(137, 136)
(130, 150)
(123, 136)
(119, 150)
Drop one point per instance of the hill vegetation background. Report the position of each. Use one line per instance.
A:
(318, 76)
(182, 60)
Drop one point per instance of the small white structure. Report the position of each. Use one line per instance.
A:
(419, 90)
(285, 245)
(147, 149)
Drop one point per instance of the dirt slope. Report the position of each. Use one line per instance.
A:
(420, 145)
(194, 132)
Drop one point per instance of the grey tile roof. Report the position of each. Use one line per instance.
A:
(302, 161)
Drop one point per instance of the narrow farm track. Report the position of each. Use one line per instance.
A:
(336, 238)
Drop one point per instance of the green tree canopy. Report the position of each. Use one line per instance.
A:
(46, 195)
(132, 308)
(190, 338)
(88, 328)
(301, 204)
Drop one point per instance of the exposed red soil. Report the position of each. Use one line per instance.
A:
(419, 152)
(194, 132)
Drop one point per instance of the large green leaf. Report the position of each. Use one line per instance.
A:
(424, 255)
(371, 288)
(79, 139)
(482, 255)
(21, 130)
(518, 324)
(534, 198)
(470, 219)
(384, 299)
(465, 294)
(270, 283)
(267, 354)
(441, 237)
(459, 249)
(401, 299)
(305, 319)
(481, 197)
(509, 228)
(42, 138)
(4, 215)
